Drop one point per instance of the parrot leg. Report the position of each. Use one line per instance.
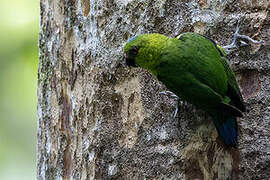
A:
(243, 39)
(171, 94)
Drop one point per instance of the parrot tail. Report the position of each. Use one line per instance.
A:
(228, 130)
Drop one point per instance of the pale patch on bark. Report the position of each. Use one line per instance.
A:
(132, 112)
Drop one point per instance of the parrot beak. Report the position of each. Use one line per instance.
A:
(129, 61)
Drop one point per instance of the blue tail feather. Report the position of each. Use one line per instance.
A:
(227, 130)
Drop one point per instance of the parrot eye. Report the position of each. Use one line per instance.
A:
(133, 50)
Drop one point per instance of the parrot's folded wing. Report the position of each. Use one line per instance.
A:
(233, 89)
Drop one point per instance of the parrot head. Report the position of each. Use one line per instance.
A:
(144, 50)
(131, 50)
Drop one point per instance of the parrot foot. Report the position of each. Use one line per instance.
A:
(240, 40)
(171, 94)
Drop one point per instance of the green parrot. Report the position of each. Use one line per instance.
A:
(194, 68)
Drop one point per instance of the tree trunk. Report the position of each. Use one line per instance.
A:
(98, 120)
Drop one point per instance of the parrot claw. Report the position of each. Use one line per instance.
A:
(175, 111)
(242, 39)
(171, 94)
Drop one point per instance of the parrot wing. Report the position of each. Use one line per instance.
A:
(233, 90)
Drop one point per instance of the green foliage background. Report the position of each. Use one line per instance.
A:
(19, 24)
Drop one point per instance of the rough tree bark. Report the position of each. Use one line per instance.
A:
(98, 120)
